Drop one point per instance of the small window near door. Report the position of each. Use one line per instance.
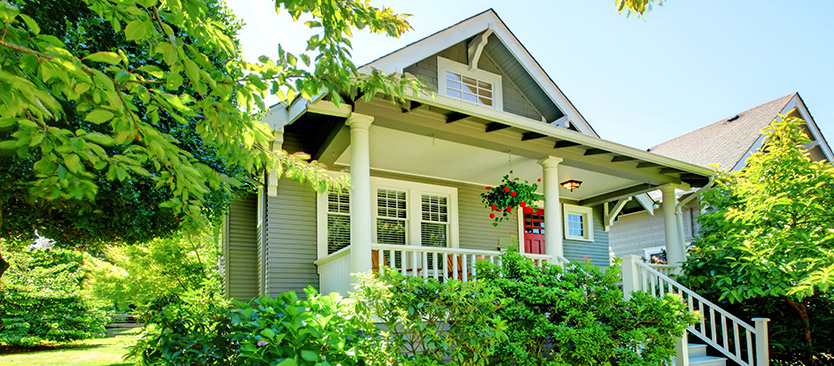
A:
(578, 223)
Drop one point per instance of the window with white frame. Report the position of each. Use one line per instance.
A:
(338, 220)
(579, 222)
(406, 213)
(475, 86)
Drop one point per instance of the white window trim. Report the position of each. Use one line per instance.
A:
(647, 252)
(589, 224)
(414, 191)
(444, 64)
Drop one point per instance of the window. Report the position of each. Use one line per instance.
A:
(476, 86)
(404, 213)
(578, 223)
(338, 220)
(392, 216)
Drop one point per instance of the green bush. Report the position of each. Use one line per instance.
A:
(42, 301)
(288, 330)
(577, 316)
(187, 329)
(426, 322)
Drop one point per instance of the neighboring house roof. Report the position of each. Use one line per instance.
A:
(731, 141)
(724, 142)
(397, 61)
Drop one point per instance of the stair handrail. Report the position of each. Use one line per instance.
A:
(639, 276)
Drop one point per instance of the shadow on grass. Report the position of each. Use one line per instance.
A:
(11, 350)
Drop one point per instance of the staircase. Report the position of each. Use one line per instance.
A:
(698, 357)
(736, 340)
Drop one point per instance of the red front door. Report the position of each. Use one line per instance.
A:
(533, 231)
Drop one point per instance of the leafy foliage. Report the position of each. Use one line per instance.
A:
(639, 7)
(134, 275)
(79, 119)
(287, 330)
(188, 329)
(578, 316)
(427, 322)
(510, 194)
(42, 300)
(768, 238)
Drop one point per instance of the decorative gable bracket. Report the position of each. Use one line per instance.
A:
(476, 47)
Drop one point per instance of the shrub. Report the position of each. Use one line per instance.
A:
(426, 322)
(577, 315)
(187, 329)
(288, 330)
(42, 302)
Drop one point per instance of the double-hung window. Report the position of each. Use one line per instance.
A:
(475, 86)
(578, 222)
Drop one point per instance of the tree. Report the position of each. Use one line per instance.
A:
(121, 99)
(769, 232)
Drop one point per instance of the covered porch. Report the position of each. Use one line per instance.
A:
(458, 145)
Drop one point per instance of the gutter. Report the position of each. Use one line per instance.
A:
(679, 206)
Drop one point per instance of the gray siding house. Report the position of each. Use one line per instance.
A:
(417, 170)
(727, 143)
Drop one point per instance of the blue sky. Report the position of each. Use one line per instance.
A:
(638, 82)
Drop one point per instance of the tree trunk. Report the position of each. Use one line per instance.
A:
(802, 309)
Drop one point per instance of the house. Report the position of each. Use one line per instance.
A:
(727, 143)
(417, 170)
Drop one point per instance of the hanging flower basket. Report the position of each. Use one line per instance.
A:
(510, 194)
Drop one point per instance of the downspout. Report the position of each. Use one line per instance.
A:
(679, 211)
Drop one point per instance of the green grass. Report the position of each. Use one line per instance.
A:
(92, 352)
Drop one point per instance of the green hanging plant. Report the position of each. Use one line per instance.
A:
(510, 194)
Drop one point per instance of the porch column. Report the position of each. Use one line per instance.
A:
(272, 178)
(360, 198)
(675, 252)
(552, 208)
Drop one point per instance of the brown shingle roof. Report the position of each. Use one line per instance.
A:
(724, 142)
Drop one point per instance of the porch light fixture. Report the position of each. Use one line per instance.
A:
(571, 184)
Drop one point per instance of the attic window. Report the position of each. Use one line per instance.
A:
(475, 86)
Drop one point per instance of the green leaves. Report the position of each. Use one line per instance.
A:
(138, 29)
(99, 116)
(104, 56)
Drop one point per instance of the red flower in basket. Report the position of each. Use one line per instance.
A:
(513, 194)
(539, 180)
(509, 209)
(523, 204)
(488, 188)
(528, 210)
(492, 215)
(495, 207)
(506, 189)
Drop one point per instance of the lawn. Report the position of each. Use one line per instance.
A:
(92, 352)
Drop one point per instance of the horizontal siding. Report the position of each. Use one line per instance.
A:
(291, 238)
(634, 232)
(597, 251)
(241, 260)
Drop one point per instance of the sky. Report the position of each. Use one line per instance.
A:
(638, 82)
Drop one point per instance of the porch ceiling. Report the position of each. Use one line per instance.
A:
(408, 153)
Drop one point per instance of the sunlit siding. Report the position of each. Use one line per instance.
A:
(241, 254)
(596, 251)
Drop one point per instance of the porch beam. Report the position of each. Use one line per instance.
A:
(552, 208)
(360, 198)
(596, 152)
(495, 126)
(645, 164)
(670, 171)
(618, 194)
(611, 214)
(337, 141)
(471, 132)
(455, 116)
(531, 136)
(412, 106)
(622, 158)
(562, 144)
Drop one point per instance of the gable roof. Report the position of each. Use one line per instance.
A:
(725, 142)
(398, 60)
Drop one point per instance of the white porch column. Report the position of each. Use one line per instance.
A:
(675, 251)
(552, 208)
(360, 198)
(272, 179)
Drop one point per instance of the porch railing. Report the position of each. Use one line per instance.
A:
(739, 341)
(412, 260)
(665, 269)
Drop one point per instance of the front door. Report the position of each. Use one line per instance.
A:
(533, 230)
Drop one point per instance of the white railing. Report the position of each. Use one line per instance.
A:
(334, 272)
(437, 262)
(739, 341)
(665, 269)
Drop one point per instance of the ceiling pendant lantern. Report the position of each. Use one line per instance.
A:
(571, 184)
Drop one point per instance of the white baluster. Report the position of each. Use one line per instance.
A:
(762, 351)
(425, 265)
(436, 265)
(455, 274)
